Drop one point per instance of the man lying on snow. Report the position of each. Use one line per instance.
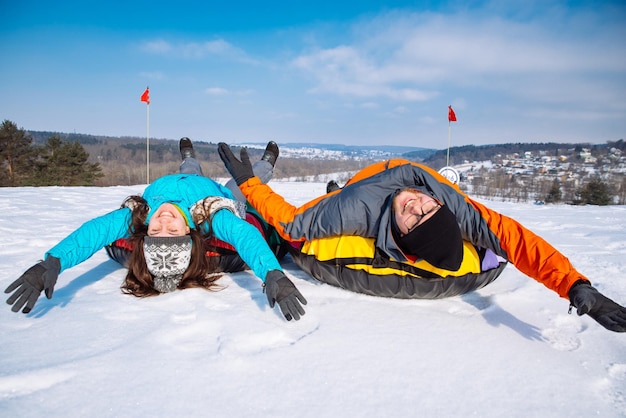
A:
(399, 229)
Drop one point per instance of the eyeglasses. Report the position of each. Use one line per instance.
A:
(414, 220)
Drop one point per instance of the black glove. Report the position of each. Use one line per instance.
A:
(587, 300)
(279, 288)
(240, 170)
(41, 276)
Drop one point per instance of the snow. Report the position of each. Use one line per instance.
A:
(510, 349)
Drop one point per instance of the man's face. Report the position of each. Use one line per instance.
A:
(412, 208)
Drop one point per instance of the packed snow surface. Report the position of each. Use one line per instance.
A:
(510, 349)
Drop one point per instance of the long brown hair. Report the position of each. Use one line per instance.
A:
(139, 281)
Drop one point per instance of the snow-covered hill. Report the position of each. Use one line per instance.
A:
(509, 349)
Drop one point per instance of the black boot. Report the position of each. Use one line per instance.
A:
(271, 153)
(186, 148)
(331, 186)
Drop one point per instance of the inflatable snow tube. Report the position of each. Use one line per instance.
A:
(352, 263)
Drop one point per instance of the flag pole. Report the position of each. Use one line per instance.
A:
(449, 172)
(448, 156)
(451, 118)
(148, 143)
(145, 97)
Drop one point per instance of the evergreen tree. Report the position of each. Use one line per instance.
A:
(554, 195)
(596, 192)
(16, 154)
(63, 163)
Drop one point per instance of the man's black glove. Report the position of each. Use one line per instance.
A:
(587, 300)
(240, 170)
(41, 276)
(279, 288)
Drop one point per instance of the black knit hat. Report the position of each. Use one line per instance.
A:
(438, 240)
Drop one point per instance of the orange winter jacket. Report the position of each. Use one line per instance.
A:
(363, 208)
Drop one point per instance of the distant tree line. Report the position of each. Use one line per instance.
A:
(50, 158)
(55, 163)
(458, 155)
(488, 152)
(117, 161)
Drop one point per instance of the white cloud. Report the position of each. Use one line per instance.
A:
(158, 46)
(369, 105)
(412, 57)
(198, 50)
(202, 49)
(346, 71)
(396, 112)
(220, 91)
(216, 91)
(282, 116)
(401, 109)
(153, 75)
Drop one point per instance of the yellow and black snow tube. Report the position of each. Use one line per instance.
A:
(353, 263)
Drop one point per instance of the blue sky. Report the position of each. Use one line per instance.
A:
(291, 71)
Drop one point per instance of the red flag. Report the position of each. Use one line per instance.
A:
(451, 115)
(145, 97)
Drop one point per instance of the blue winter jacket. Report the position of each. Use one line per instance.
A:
(183, 190)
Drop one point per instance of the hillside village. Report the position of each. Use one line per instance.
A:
(540, 163)
(519, 175)
(536, 171)
(574, 164)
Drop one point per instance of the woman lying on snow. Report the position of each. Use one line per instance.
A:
(399, 229)
(175, 236)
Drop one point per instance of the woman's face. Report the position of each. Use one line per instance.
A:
(412, 208)
(167, 221)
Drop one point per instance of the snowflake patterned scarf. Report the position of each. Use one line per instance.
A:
(167, 259)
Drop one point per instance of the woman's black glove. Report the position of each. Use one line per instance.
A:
(587, 300)
(240, 170)
(279, 288)
(41, 276)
